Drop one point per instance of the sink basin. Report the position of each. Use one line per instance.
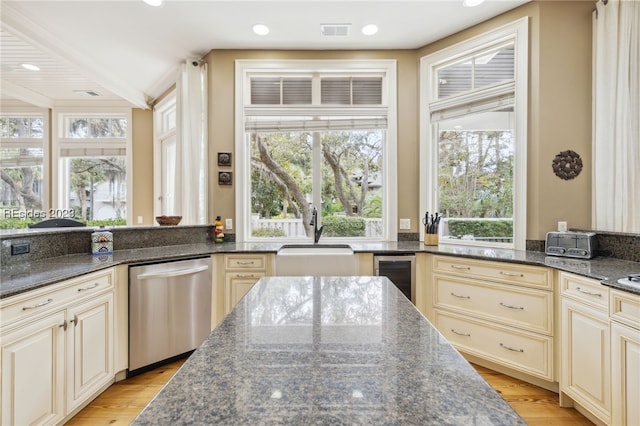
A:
(316, 260)
(315, 249)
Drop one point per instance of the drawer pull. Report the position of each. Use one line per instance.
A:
(511, 274)
(244, 275)
(64, 325)
(244, 263)
(46, 302)
(512, 307)
(511, 349)
(74, 321)
(462, 268)
(459, 296)
(89, 288)
(459, 333)
(590, 293)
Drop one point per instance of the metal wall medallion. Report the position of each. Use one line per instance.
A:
(567, 164)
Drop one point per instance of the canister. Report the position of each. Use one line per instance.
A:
(102, 242)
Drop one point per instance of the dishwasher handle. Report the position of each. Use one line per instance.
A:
(172, 273)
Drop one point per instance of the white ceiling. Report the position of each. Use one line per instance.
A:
(127, 50)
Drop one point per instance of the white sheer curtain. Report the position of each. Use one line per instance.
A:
(616, 144)
(193, 141)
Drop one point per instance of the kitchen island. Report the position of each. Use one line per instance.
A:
(327, 350)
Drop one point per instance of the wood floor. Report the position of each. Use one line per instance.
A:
(120, 404)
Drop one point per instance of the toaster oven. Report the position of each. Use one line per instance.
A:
(581, 245)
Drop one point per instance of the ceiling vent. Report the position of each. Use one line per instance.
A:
(335, 30)
(86, 92)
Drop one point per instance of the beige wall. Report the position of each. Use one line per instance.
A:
(559, 107)
(221, 65)
(142, 196)
(559, 116)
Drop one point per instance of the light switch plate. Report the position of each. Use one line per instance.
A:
(405, 223)
(228, 223)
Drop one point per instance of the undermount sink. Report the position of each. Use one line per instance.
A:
(315, 260)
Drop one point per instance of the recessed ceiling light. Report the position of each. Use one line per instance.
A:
(370, 29)
(261, 29)
(472, 3)
(155, 3)
(30, 67)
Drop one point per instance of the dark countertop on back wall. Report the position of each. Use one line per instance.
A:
(29, 275)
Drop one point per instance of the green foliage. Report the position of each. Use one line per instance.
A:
(268, 232)
(475, 174)
(373, 208)
(16, 223)
(107, 222)
(344, 226)
(481, 228)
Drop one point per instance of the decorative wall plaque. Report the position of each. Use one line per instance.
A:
(567, 164)
(224, 159)
(224, 178)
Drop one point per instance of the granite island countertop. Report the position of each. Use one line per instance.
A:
(326, 350)
(28, 276)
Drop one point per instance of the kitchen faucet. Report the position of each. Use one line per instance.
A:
(317, 232)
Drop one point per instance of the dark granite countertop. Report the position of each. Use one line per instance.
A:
(326, 350)
(27, 276)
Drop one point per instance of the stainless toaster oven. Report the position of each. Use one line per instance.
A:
(581, 245)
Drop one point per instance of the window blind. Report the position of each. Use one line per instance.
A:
(491, 99)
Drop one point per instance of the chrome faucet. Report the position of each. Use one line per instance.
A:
(317, 232)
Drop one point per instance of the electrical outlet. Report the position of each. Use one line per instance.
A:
(405, 223)
(228, 223)
(22, 248)
(139, 220)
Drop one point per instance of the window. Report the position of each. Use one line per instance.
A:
(316, 134)
(22, 154)
(92, 164)
(166, 157)
(473, 138)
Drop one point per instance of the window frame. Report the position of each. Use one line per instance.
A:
(60, 194)
(246, 68)
(29, 111)
(517, 32)
(162, 132)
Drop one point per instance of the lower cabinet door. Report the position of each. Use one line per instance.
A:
(585, 358)
(33, 372)
(625, 375)
(237, 285)
(90, 348)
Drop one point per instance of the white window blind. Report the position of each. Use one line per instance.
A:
(314, 119)
(484, 100)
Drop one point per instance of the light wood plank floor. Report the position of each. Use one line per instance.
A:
(122, 402)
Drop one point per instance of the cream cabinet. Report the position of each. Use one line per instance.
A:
(33, 370)
(497, 312)
(89, 348)
(585, 346)
(625, 358)
(56, 349)
(241, 272)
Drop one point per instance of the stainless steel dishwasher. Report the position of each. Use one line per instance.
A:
(169, 310)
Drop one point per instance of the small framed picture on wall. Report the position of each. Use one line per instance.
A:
(224, 159)
(224, 178)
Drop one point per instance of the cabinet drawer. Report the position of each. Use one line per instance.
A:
(24, 305)
(238, 261)
(529, 309)
(533, 276)
(625, 308)
(584, 289)
(526, 352)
